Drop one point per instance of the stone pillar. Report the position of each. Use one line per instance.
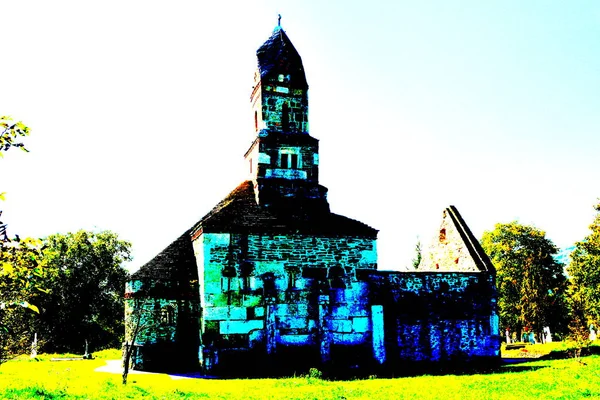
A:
(324, 330)
(271, 328)
(378, 333)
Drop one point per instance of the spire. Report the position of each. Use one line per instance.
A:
(279, 20)
(279, 56)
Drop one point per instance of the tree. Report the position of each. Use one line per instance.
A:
(531, 284)
(139, 317)
(20, 270)
(85, 298)
(584, 271)
(22, 277)
(10, 135)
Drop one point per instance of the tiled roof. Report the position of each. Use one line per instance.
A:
(238, 212)
(175, 262)
(278, 56)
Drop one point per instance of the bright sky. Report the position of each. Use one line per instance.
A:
(140, 113)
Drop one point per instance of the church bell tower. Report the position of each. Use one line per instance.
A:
(283, 160)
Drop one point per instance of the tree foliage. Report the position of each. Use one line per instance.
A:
(22, 277)
(531, 284)
(20, 269)
(416, 261)
(74, 281)
(584, 271)
(11, 134)
(85, 298)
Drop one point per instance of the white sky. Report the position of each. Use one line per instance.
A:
(140, 113)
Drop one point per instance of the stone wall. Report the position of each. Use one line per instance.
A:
(449, 249)
(437, 316)
(324, 311)
(274, 96)
(260, 298)
(278, 254)
(165, 313)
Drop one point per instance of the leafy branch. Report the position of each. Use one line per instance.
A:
(11, 133)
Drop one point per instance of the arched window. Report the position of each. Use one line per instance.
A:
(285, 117)
(246, 270)
(336, 275)
(167, 315)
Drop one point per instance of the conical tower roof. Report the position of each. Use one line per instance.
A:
(279, 56)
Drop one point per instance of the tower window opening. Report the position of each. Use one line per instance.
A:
(294, 161)
(290, 158)
(284, 160)
(256, 121)
(285, 118)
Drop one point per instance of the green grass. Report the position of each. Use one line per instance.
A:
(550, 350)
(540, 379)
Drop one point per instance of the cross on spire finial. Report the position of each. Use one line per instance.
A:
(278, 19)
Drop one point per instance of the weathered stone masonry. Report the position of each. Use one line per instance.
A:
(271, 281)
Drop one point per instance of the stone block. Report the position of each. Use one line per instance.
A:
(239, 327)
(212, 287)
(216, 239)
(255, 337)
(341, 325)
(360, 324)
(224, 313)
(358, 309)
(340, 312)
(251, 300)
(349, 338)
(295, 340)
(292, 323)
(292, 310)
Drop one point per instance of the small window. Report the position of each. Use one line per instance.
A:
(290, 158)
(246, 271)
(442, 235)
(167, 315)
(269, 288)
(256, 121)
(285, 117)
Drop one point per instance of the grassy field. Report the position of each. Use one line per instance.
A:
(560, 378)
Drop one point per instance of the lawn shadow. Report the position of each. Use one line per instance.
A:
(497, 366)
(571, 353)
(504, 366)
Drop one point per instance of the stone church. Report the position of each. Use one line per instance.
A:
(272, 281)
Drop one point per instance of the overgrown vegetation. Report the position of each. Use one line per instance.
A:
(562, 378)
